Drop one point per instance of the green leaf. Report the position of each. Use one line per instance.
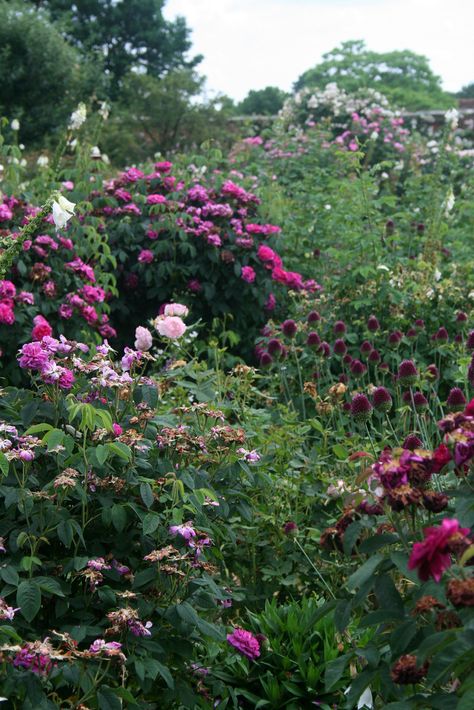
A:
(363, 573)
(146, 494)
(101, 454)
(4, 464)
(48, 584)
(28, 598)
(334, 670)
(53, 438)
(150, 523)
(119, 517)
(120, 449)
(9, 575)
(340, 451)
(38, 429)
(351, 535)
(108, 699)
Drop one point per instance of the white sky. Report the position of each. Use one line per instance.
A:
(250, 44)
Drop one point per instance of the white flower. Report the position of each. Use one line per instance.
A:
(365, 701)
(437, 275)
(95, 152)
(452, 117)
(328, 207)
(78, 117)
(449, 204)
(382, 267)
(430, 293)
(63, 210)
(43, 161)
(104, 110)
(374, 135)
(471, 295)
(15, 125)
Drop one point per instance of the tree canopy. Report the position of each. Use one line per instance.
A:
(404, 77)
(125, 35)
(267, 102)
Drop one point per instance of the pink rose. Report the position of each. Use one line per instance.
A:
(143, 338)
(145, 256)
(248, 274)
(176, 309)
(41, 328)
(170, 327)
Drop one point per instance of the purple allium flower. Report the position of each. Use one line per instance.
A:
(420, 323)
(470, 341)
(395, 337)
(313, 316)
(289, 328)
(407, 373)
(412, 442)
(432, 372)
(456, 400)
(373, 324)
(420, 228)
(441, 334)
(290, 528)
(313, 339)
(461, 317)
(419, 401)
(382, 399)
(324, 349)
(265, 359)
(274, 346)
(339, 327)
(389, 226)
(366, 347)
(458, 338)
(347, 359)
(358, 369)
(361, 409)
(412, 333)
(374, 356)
(245, 643)
(339, 347)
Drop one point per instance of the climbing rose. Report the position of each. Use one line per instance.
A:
(170, 326)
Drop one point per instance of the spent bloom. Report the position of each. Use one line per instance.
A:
(143, 338)
(432, 556)
(176, 309)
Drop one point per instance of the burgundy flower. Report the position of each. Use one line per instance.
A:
(461, 317)
(412, 442)
(406, 672)
(432, 372)
(274, 346)
(374, 356)
(431, 557)
(366, 348)
(382, 399)
(395, 337)
(339, 327)
(361, 409)
(407, 373)
(373, 324)
(441, 334)
(290, 528)
(324, 349)
(265, 359)
(470, 341)
(339, 347)
(441, 457)
(313, 339)
(313, 316)
(419, 401)
(456, 401)
(289, 328)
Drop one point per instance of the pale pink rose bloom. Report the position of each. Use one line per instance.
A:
(171, 327)
(176, 309)
(143, 338)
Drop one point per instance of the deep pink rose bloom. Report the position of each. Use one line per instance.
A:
(245, 643)
(7, 290)
(7, 315)
(146, 256)
(41, 328)
(156, 199)
(248, 274)
(33, 356)
(66, 379)
(431, 557)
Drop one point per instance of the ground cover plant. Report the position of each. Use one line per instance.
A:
(237, 419)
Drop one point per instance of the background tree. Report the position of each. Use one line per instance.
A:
(403, 76)
(131, 35)
(42, 76)
(467, 92)
(262, 102)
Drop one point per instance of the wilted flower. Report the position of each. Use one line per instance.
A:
(431, 557)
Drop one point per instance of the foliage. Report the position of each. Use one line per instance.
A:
(37, 66)
(404, 77)
(267, 101)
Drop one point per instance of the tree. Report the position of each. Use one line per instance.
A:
(42, 76)
(467, 92)
(127, 35)
(403, 76)
(264, 102)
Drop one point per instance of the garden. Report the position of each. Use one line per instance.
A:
(237, 413)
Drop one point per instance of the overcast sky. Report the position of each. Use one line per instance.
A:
(250, 44)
